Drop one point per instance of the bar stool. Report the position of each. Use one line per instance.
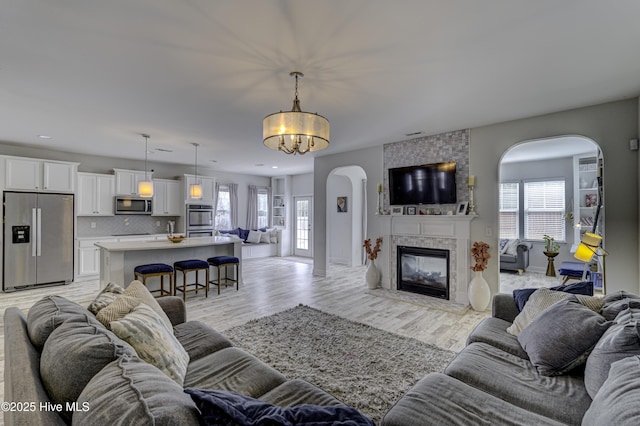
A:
(142, 272)
(224, 261)
(186, 266)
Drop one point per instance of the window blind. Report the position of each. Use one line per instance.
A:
(509, 210)
(544, 209)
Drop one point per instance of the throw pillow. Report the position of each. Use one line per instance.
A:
(610, 310)
(143, 329)
(47, 314)
(105, 297)
(253, 237)
(562, 337)
(512, 247)
(75, 352)
(128, 391)
(542, 299)
(618, 400)
(502, 245)
(220, 407)
(521, 296)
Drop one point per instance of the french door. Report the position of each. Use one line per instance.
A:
(303, 233)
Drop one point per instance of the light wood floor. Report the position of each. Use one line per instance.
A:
(274, 284)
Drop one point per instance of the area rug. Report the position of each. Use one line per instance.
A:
(421, 300)
(362, 366)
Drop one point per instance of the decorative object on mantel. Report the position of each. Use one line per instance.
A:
(145, 187)
(479, 292)
(379, 209)
(472, 184)
(295, 131)
(372, 276)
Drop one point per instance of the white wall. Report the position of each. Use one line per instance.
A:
(339, 232)
(302, 184)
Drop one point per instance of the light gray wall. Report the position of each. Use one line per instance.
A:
(611, 126)
(302, 184)
(339, 233)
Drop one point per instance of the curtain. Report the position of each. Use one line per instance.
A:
(216, 191)
(270, 205)
(252, 208)
(233, 201)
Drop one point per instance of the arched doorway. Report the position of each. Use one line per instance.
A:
(346, 215)
(550, 186)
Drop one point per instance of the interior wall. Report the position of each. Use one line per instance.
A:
(302, 184)
(339, 233)
(611, 126)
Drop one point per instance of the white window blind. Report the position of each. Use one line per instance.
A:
(509, 210)
(223, 209)
(544, 210)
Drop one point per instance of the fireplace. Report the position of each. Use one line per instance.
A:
(424, 271)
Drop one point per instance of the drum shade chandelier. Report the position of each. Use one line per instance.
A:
(145, 187)
(295, 131)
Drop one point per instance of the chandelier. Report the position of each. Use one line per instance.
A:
(295, 131)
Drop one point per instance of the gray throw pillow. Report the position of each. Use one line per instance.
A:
(618, 400)
(47, 314)
(620, 341)
(75, 352)
(128, 391)
(562, 337)
(610, 310)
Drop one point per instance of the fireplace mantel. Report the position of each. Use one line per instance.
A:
(437, 231)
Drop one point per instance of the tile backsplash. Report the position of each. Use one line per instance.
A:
(121, 224)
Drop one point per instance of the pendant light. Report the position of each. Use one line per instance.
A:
(195, 189)
(295, 131)
(145, 187)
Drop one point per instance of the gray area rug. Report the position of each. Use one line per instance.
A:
(362, 366)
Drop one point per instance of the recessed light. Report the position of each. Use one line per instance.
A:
(274, 167)
(45, 137)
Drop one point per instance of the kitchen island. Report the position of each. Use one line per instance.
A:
(119, 259)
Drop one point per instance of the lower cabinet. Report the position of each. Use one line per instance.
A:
(88, 260)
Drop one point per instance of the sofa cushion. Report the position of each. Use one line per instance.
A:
(516, 381)
(618, 400)
(234, 370)
(47, 314)
(438, 399)
(229, 408)
(253, 237)
(521, 296)
(620, 341)
(105, 297)
(562, 337)
(133, 295)
(542, 299)
(296, 392)
(610, 310)
(198, 339)
(143, 329)
(493, 331)
(128, 391)
(75, 352)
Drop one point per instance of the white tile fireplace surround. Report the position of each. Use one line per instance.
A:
(451, 233)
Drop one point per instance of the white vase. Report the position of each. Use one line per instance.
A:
(479, 292)
(372, 276)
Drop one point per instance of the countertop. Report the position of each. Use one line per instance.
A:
(113, 237)
(164, 244)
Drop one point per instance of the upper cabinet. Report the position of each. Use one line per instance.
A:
(30, 174)
(127, 181)
(208, 188)
(167, 199)
(95, 194)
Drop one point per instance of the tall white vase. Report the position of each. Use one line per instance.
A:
(372, 276)
(479, 292)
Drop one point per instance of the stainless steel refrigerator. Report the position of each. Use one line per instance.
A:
(38, 239)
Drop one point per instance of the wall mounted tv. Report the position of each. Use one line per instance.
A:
(425, 184)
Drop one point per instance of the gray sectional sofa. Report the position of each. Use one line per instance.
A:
(496, 381)
(60, 354)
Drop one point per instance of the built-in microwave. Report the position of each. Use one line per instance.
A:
(132, 205)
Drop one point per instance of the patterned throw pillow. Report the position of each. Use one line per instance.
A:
(154, 343)
(544, 298)
(105, 297)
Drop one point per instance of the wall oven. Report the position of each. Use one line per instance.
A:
(199, 220)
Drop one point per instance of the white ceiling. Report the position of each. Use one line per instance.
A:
(94, 75)
(545, 149)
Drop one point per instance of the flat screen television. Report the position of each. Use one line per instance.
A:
(424, 184)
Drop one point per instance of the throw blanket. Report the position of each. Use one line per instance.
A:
(222, 408)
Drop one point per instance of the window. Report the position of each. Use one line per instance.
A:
(263, 208)
(544, 210)
(509, 210)
(223, 209)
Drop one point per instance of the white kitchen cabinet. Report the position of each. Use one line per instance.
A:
(167, 199)
(95, 194)
(31, 174)
(208, 188)
(88, 261)
(127, 181)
